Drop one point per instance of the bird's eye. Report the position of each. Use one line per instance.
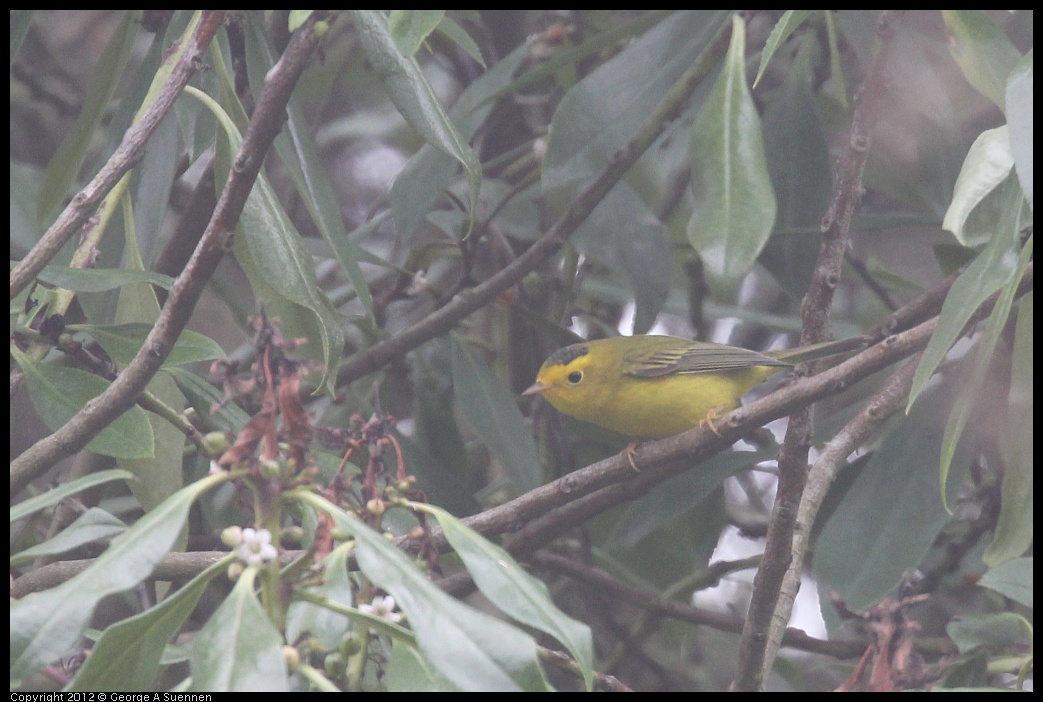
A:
(574, 377)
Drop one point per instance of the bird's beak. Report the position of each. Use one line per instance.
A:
(536, 389)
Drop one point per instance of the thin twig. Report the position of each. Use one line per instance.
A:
(605, 583)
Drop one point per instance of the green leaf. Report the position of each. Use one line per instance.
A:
(127, 656)
(517, 594)
(297, 19)
(1014, 527)
(787, 24)
(681, 494)
(59, 493)
(801, 171)
(99, 279)
(836, 68)
(160, 475)
(997, 631)
(994, 267)
(58, 393)
(437, 431)
(987, 165)
(1007, 228)
(305, 617)
(734, 209)
(415, 98)
(410, 28)
(279, 267)
(238, 649)
(409, 671)
(153, 182)
(892, 513)
(65, 165)
(983, 52)
(602, 111)
(492, 413)
(301, 158)
(1019, 121)
(456, 34)
(1012, 579)
(93, 525)
(427, 175)
(966, 671)
(204, 397)
(627, 236)
(123, 341)
(44, 625)
(473, 650)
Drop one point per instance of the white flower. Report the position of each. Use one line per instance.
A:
(256, 547)
(382, 607)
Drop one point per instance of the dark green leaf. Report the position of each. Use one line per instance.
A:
(59, 493)
(473, 650)
(238, 649)
(801, 174)
(59, 393)
(93, 525)
(99, 279)
(301, 158)
(415, 98)
(20, 21)
(44, 625)
(492, 413)
(999, 630)
(123, 341)
(1013, 535)
(427, 175)
(410, 28)
(515, 592)
(601, 112)
(461, 38)
(623, 233)
(204, 397)
(680, 495)
(734, 209)
(1013, 579)
(270, 250)
(893, 512)
(128, 654)
(786, 25)
(994, 267)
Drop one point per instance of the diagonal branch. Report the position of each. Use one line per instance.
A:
(265, 124)
(130, 151)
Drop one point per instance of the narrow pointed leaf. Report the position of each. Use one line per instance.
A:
(734, 209)
(44, 625)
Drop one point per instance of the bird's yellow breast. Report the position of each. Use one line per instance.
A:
(654, 408)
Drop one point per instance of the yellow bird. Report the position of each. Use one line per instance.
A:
(650, 387)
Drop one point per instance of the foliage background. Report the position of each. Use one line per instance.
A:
(427, 157)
